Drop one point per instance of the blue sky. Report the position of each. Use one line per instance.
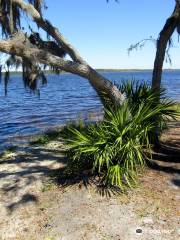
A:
(102, 32)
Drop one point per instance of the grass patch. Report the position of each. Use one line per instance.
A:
(8, 151)
(53, 135)
(48, 186)
(45, 138)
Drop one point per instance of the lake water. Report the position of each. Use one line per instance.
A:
(65, 97)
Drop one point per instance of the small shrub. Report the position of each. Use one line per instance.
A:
(138, 93)
(118, 147)
(113, 148)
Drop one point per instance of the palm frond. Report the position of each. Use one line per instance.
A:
(118, 147)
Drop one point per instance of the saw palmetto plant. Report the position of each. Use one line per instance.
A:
(118, 147)
(140, 92)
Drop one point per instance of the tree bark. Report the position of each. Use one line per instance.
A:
(20, 46)
(162, 42)
(77, 66)
(49, 29)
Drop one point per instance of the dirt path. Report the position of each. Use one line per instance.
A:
(32, 207)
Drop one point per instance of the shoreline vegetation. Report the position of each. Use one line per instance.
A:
(33, 195)
(53, 133)
(120, 144)
(44, 188)
(108, 178)
(101, 70)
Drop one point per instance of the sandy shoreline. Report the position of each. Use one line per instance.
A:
(33, 206)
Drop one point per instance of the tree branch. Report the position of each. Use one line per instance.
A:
(20, 46)
(22, 49)
(50, 29)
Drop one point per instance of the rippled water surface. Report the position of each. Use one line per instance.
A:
(65, 97)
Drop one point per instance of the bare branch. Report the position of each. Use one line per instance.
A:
(139, 45)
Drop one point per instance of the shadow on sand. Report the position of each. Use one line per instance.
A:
(19, 172)
(30, 165)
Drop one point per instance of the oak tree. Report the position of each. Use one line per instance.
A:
(34, 53)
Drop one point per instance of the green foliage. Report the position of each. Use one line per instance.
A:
(113, 147)
(177, 108)
(46, 138)
(117, 148)
(53, 135)
(8, 151)
(138, 93)
(48, 186)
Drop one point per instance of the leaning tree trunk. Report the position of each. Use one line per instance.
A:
(108, 92)
(162, 42)
(21, 47)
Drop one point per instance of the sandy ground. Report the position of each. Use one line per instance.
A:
(32, 206)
